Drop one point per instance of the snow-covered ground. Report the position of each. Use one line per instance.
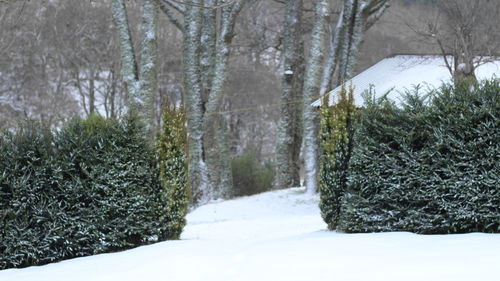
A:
(280, 236)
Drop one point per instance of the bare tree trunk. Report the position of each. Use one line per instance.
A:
(464, 70)
(312, 81)
(207, 39)
(208, 43)
(208, 50)
(129, 64)
(289, 137)
(356, 37)
(225, 189)
(81, 91)
(218, 163)
(345, 38)
(355, 18)
(141, 86)
(333, 53)
(148, 73)
(111, 96)
(192, 90)
(91, 78)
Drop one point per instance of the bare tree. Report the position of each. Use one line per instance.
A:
(84, 38)
(197, 171)
(466, 33)
(207, 47)
(33, 83)
(289, 138)
(253, 99)
(141, 80)
(355, 18)
(314, 68)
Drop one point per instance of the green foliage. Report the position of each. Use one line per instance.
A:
(171, 151)
(250, 176)
(336, 141)
(430, 166)
(26, 189)
(91, 188)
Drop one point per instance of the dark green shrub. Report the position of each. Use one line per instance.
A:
(171, 151)
(27, 169)
(91, 188)
(250, 176)
(336, 143)
(110, 166)
(430, 166)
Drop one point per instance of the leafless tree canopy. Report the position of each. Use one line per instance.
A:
(61, 58)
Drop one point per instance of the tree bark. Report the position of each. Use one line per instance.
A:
(345, 37)
(356, 37)
(129, 64)
(148, 72)
(141, 83)
(289, 138)
(311, 92)
(208, 51)
(218, 162)
(355, 18)
(192, 90)
(333, 53)
(91, 78)
(207, 38)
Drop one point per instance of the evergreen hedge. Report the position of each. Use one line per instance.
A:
(428, 166)
(91, 188)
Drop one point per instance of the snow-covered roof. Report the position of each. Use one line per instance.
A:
(400, 72)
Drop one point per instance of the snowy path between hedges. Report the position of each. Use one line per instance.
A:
(278, 236)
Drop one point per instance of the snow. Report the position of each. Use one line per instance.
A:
(401, 72)
(278, 236)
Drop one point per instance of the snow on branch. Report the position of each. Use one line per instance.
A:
(373, 10)
(171, 16)
(178, 7)
(203, 6)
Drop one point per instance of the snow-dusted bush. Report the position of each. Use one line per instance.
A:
(27, 186)
(250, 176)
(336, 143)
(430, 166)
(91, 188)
(171, 152)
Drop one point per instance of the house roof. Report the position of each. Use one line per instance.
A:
(400, 72)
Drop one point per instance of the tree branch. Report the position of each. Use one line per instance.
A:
(203, 6)
(179, 8)
(171, 16)
(373, 11)
(445, 57)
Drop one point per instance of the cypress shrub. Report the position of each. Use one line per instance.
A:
(429, 166)
(172, 162)
(336, 143)
(91, 188)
